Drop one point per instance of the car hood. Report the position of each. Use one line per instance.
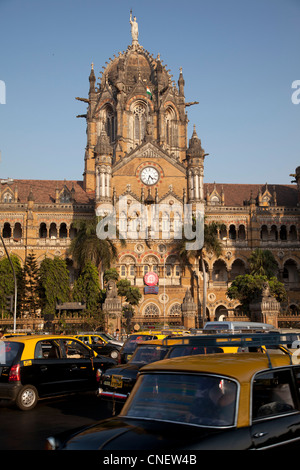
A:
(133, 434)
(126, 370)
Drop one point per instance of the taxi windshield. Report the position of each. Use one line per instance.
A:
(133, 340)
(147, 354)
(8, 352)
(178, 351)
(184, 398)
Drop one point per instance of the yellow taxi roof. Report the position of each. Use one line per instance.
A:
(29, 338)
(240, 366)
(161, 341)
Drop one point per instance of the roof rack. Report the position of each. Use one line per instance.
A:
(243, 340)
(255, 340)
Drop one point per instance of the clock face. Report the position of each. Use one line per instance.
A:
(149, 175)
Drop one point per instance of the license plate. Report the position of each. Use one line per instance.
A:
(116, 381)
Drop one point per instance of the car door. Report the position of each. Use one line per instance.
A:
(79, 367)
(47, 371)
(275, 409)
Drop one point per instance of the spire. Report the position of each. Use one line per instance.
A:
(195, 148)
(92, 79)
(181, 83)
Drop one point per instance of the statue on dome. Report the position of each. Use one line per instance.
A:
(134, 28)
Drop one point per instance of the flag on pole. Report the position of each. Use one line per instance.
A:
(149, 94)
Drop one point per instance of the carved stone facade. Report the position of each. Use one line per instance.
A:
(138, 150)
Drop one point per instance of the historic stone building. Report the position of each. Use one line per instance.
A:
(139, 157)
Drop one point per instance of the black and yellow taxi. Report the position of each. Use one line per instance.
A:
(100, 344)
(41, 366)
(136, 338)
(118, 381)
(240, 401)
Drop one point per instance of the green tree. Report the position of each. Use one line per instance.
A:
(263, 263)
(87, 289)
(247, 289)
(7, 285)
(109, 274)
(132, 297)
(88, 247)
(31, 301)
(54, 284)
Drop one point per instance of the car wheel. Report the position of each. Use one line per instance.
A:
(27, 398)
(114, 354)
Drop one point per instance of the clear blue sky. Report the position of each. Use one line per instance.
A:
(239, 59)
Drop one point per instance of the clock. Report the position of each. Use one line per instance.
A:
(149, 175)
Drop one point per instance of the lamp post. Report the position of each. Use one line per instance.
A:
(15, 281)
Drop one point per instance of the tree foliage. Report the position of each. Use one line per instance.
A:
(87, 289)
(88, 247)
(263, 263)
(54, 283)
(7, 285)
(31, 300)
(247, 288)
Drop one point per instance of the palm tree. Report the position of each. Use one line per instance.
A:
(87, 247)
(211, 244)
(263, 263)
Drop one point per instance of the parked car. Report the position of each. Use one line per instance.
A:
(109, 338)
(33, 367)
(99, 344)
(228, 401)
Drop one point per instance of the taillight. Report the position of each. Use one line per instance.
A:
(14, 374)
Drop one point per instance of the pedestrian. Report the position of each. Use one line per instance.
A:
(1, 334)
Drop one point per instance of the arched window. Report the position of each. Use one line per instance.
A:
(171, 127)
(63, 232)
(43, 230)
(151, 310)
(107, 122)
(283, 232)
(17, 231)
(7, 198)
(139, 123)
(232, 232)
(175, 310)
(6, 230)
(53, 231)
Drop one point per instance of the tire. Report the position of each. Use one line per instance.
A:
(114, 354)
(27, 398)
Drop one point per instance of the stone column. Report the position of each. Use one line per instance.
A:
(189, 309)
(267, 309)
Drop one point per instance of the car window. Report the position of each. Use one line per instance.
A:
(195, 399)
(8, 352)
(133, 340)
(147, 354)
(178, 351)
(47, 349)
(272, 394)
(84, 339)
(76, 350)
(97, 340)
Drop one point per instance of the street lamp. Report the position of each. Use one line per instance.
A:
(15, 281)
